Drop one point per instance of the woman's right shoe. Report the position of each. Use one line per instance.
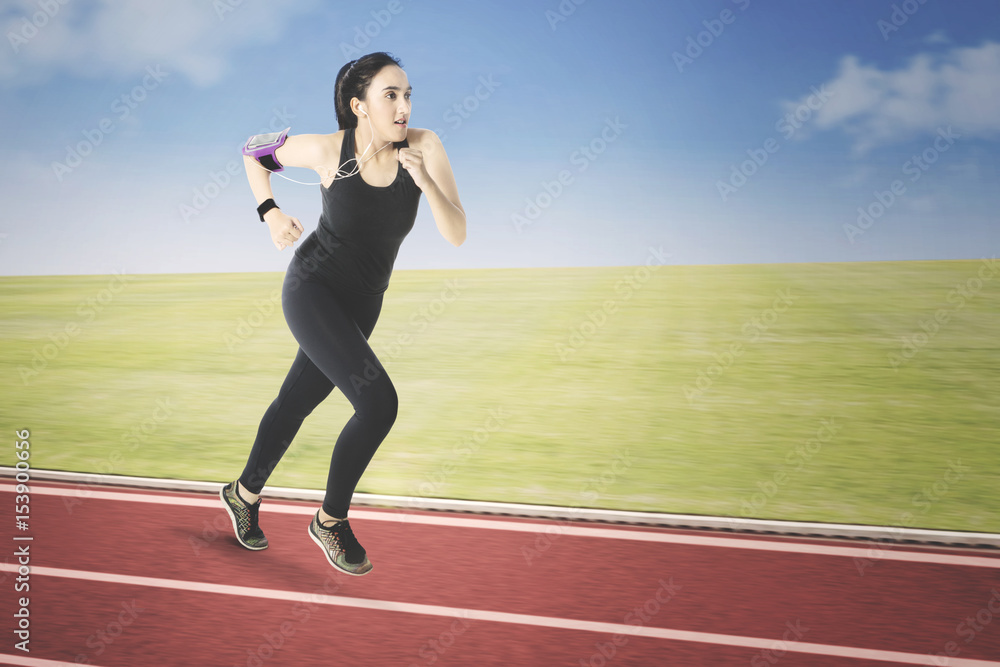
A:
(244, 518)
(340, 546)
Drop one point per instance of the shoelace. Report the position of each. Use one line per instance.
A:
(254, 511)
(345, 539)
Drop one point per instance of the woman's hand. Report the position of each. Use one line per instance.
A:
(285, 230)
(413, 162)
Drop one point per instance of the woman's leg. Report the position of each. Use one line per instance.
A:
(332, 330)
(304, 388)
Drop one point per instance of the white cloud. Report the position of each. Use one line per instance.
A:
(937, 37)
(91, 40)
(960, 87)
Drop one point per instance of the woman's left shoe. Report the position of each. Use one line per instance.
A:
(245, 518)
(340, 546)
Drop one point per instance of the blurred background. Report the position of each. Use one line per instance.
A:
(724, 256)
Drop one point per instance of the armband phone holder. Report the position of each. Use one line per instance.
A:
(261, 147)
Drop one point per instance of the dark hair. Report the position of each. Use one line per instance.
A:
(353, 80)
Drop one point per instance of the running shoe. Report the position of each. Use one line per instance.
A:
(340, 546)
(244, 518)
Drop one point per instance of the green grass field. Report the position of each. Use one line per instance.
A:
(752, 390)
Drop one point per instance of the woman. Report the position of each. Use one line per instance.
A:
(332, 292)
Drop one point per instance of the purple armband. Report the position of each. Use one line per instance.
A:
(261, 147)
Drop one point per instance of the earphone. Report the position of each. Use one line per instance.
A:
(339, 173)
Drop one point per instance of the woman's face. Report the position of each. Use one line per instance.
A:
(388, 101)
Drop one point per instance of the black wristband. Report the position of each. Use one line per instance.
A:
(266, 206)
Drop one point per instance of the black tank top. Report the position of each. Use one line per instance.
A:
(362, 226)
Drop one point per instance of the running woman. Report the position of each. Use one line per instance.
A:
(332, 292)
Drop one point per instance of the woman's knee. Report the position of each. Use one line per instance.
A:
(378, 402)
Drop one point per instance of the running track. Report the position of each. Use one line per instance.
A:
(134, 578)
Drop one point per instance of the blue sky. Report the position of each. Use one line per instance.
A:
(688, 155)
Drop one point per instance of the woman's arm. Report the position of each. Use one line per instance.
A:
(300, 150)
(304, 150)
(441, 190)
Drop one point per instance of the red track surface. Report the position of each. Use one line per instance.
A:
(255, 618)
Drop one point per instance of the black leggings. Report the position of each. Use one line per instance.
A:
(332, 329)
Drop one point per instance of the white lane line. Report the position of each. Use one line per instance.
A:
(19, 660)
(872, 553)
(541, 512)
(501, 617)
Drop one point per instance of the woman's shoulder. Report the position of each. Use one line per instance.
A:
(333, 142)
(317, 148)
(418, 137)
